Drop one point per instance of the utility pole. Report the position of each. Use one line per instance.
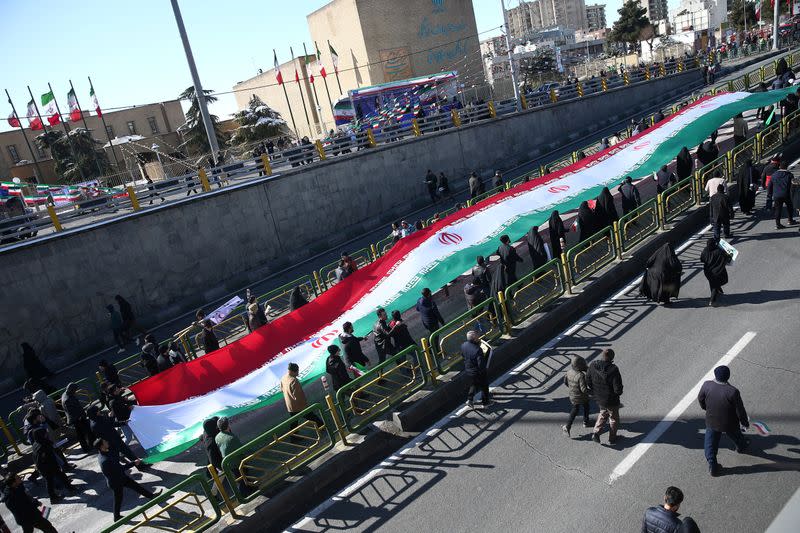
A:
(776, 8)
(198, 88)
(511, 57)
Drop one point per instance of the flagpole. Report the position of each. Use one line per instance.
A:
(325, 81)
(316, 99)
(25, 136)
(85, 125)
(303, 98)
(336, 71)
(36, 107)
(108, 136)
(286, 94)
(66, 132)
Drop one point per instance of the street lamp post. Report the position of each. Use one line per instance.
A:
(511, 57)
(198, 88)
(776, 8)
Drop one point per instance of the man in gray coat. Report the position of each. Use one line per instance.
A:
(724, 414)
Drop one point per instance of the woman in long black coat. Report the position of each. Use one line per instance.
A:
(555, 227)
(662, 277)
(588, 222)
(714, 261)
(684, 164)
(536, 247)
(746, 183)
(605, 209)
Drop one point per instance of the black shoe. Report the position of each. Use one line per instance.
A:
(56, 498)
(611, 441)
(565, 429)
(744, 448)
(596, 438)
(715, 470)
(779, 226)
(587, 424)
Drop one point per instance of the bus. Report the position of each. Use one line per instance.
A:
(397, 102)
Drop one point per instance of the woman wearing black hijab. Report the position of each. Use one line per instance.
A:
(588, 222)
(707, 152)
(555, 226)
(662, 277)
(684, 164)
(296, 299)
(536, 247)
(714, 267)
(746, 182)
(605, 209)
(213, 452)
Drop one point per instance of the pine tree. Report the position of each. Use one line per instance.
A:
(737, 11)
(78, 157)
(193, 130)
(257, 122)
(628, 28)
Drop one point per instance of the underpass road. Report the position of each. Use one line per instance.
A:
(510, 467)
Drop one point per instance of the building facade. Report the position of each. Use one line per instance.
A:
(595, 17)
(699, 15)
(656, 9)
(376, 41)
(530, 16)
(155, 123)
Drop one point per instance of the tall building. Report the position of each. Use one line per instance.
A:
(656, 9)
(376, 41)
(530, 16)
(596, 17)
(699, 15)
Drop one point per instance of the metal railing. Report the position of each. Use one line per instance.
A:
(677, 199)
(740, 154)
(327, 273)
(716, 169)
(375, 392)
(637, 225)
(590, 255)
(529, 295)
(182, 508)
(770, 138)
(273, 456)
(446, 341)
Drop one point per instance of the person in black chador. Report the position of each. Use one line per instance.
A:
(662, 279)
(536, 248)
(555, 227)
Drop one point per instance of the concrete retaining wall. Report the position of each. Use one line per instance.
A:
(174, 258)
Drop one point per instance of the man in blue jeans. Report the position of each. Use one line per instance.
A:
(725, 413)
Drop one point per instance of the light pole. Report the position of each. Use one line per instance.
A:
(511, 57)
(776, 8)
(198, 88)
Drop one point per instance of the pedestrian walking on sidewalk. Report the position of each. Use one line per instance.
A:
(24, 507)
(725, 413)
(720, 212)
(475, 361)
(664, 518)
(116, 478)
(605, 385)
(714, 261)
(575, 380)
(629, 195)
(429, 311)
(780, 189)
(294, 397)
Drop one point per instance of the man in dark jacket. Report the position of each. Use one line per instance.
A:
(116, 478)
(664, 518)
(475, 367)
(353, 354)
(766, 176)
(605, 385)
(105, 429)
(508, 259)
(725, 413)
(629, 195)
(664, 179)
(720, 211)
(76, 417)
(382, 336)
(336, 368)
(429, 311)
(780, 188)
(23, 506)
(481, 270)
(163, 361)
(430, 183)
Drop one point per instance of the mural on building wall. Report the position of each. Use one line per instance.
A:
(396, 64)
(436, 26)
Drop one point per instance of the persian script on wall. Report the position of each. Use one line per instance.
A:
(396, 64)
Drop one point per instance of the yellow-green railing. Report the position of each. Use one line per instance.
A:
(637, 225)
(528, 295)
(446, 342)
(590, 255)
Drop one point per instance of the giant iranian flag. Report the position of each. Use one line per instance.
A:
(245, 374)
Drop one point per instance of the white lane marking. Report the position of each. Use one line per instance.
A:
(640, 449)
(436, 428)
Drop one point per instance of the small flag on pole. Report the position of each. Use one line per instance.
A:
(33, 118)
(761, 428)
(320, 66)
(95, 103)
(278, 75)
(49, 108)
(74, 109)
(334, 58)
(308, 68)
(13, 121)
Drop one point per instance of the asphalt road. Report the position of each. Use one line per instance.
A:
(510, 467)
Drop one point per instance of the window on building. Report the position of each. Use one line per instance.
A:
(110, 131)
(132, 127)
(153, 125)
(12, 151)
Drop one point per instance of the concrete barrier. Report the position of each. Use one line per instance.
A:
(172, 259)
